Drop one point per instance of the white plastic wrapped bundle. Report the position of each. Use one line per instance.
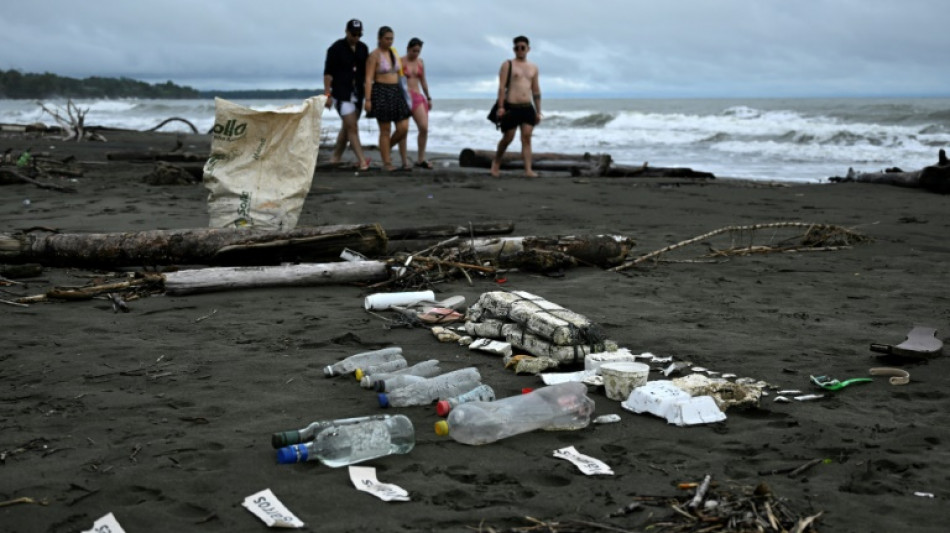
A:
(536, 345)
(545, 319)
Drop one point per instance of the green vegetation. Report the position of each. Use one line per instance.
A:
(15, 84)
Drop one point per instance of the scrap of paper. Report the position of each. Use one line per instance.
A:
(106, 524)
(364, 479)
(587, 464)
(270, 510)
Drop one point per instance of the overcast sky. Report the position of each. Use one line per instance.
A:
(626, 48)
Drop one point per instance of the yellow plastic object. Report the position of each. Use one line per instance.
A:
(442, 428)
(359, 374)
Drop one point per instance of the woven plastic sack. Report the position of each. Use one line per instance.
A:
(261, 164)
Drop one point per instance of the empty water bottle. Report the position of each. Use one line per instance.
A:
(365, 359)
(350, 441)
(481, 393)
(430, 390)
(390, 384)
(426, 369)
(380, 368)
(565, 406)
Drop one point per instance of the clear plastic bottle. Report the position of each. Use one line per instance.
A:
(386, 366)
(354, 441)
(390, 384)
(481, 393)
(430, 390)
(295, 436)
(564, 406)
(426, 369)
(351, 363)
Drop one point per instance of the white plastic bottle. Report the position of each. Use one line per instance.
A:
(354, 441)
(481, 393)
(564, 406)
(426, 369)
(351, 363)
(430, 390)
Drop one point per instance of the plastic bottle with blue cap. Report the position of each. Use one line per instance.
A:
(425, 392)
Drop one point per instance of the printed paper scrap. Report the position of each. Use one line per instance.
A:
(270, 510)
(587, 464)
(106, 523)
(364, 479)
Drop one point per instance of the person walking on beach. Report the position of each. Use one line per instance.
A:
(414, 70)
(343, 72)
(384, 98)
(519, 104)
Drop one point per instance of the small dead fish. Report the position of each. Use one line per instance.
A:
(118, 303)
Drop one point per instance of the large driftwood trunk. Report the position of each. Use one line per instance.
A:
(540, 253)
(935, 178)
(230, 278)
(584, 163)
(203, 246)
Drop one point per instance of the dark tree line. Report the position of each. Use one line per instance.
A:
(15, 84)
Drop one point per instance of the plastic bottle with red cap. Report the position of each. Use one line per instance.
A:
(345, 442)
(481, 393)
(564, 406)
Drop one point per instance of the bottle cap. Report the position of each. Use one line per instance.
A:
(328, 371)
(366, 382)
(442, 428)
(380, 386)
(383, 400)
(442, 407)
(292, 454)
(526, 390)
(285, 438)
(359, 374)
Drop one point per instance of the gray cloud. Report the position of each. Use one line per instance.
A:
(743, 48)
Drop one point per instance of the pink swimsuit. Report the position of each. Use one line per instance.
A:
(418, 99)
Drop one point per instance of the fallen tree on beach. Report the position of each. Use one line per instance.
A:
(934, 178)
(586, 164)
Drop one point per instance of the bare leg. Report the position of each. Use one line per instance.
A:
(404, 152)
(351, 130)
(526, 130)
(340, 145)
(385, 148)
(506, 139)
(421, 118)
(399, 138)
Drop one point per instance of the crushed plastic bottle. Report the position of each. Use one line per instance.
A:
(350, 441)
(426, 369)
(564, 406)
(425, 392)
(481, 393)
(393, 383)
(365, 359)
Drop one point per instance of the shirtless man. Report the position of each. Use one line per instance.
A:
(515, 109)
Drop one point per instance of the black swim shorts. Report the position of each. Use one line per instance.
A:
(518, 114)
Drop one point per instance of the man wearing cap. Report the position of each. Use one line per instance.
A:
(343, 73)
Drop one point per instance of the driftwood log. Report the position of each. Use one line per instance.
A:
(74, 123)
(646, 171)
(203, 246)
(168, 157)
(583, 163)
(549, 253)
(934, 178)
(230, 278)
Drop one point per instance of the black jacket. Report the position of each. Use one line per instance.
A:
(348, 68)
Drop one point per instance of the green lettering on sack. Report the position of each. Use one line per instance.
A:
(260, 149)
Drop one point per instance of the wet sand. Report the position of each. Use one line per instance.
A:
(163, 415)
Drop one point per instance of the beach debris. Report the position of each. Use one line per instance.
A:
(664, 399)
(537, 326)
(724, 508)
(491, 346)
(590, 466)
(530, 364)
(270, 510)
(921, 342)
(593, 361)
(832, 384)
(74, 123)
(816, 237)
(897, 376)
(808, 397)
(726, 393)
(934, 178)
(117, 303)
(364, 479)
(445, 334)
(106, 523)
(606, 419)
